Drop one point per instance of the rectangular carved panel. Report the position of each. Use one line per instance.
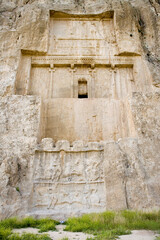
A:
(81, 36)
(72, 181)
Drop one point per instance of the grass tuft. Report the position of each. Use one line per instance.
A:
(50, 225)
(109, 225)
(28, 236)
(43, 225)
(4, 233)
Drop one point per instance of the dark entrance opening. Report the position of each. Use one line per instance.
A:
(83, 95)
(82, 89)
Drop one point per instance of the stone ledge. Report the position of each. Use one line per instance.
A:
(66, 183)
(48, 145)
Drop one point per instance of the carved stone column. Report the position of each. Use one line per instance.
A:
(27, 76)
(91, 85)
(73, 70)
(113, 87)
(51, 81)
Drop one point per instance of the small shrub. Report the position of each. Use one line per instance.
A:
(17, 189)
(27, 222)
(47, 226)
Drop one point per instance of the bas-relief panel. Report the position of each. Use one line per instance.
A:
(69, 198)
(81, 37)
(69, 180)
(69, 166)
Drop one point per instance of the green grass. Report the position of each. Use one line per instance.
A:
(43, 225)
(28, 236)
(109, 225)
(104, 226)
(4, 233)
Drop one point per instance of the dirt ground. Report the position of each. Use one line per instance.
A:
(57, 235)
(140, 235)
(60, 234)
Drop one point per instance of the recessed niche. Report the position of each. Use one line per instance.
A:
(81, 35)
(82, 89)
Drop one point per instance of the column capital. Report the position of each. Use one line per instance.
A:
(92, 66)
(52, 68)
(112, 66)
(72, 65)
(92, 70)
(72, 69)
(51, 65)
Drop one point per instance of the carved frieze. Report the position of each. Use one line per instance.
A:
(69, 179)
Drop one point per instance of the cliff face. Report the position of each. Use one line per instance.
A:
(126, 132)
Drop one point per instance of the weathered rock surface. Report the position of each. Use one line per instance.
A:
(131, 164)
(60, 155)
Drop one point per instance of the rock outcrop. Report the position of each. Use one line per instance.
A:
(79, 106)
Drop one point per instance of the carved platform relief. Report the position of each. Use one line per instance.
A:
(69, 181)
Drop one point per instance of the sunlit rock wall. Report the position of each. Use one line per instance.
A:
(79, 106)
